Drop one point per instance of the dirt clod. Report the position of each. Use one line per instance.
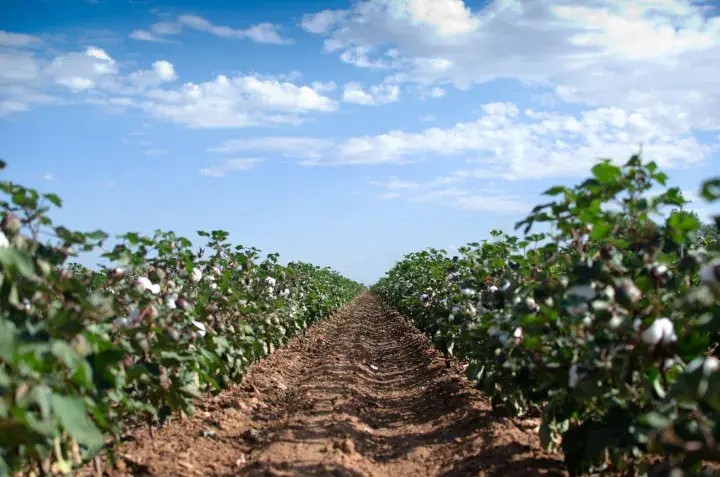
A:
(408, 414)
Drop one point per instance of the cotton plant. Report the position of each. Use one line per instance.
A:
(602, 324)
(139, 340)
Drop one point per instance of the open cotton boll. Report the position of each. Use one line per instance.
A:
(709, 364)
(710, 273)
(583, 291)
(170, 301)
(573, 376)
(217, 270)
(121, 321)
(468, 291)
(144, 283)
(270, 281)
(196, 275)
(661, 330)
(4, 242)
(200, 328)
(493, 289)
(285, 293)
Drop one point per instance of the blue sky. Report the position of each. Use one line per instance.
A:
(347, 133)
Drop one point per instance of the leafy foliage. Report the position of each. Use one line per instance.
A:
(604, 325)
(82, 351)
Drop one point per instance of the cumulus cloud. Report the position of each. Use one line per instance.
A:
(378, 94)
(630, 54)
(237, 102)
(260, 33)
(512, 144)
(230, 165)
(223, 102)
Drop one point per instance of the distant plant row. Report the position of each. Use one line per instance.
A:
(83, 352)
(606, 325)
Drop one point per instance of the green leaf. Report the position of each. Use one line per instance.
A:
(72, 414)
(17, 261)
(606, 172)
(54, 198)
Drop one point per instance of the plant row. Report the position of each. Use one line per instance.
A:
(604, 323)
(84, 352)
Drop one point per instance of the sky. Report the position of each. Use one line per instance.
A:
(348, 134)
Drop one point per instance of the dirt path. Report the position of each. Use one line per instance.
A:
(362, 394)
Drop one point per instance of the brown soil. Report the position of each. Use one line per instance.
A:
(363, 393)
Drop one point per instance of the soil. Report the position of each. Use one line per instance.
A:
(362, 393)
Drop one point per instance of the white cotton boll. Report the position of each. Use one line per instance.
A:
(121, 322)
(532, 304)
(661, 330)
(587, 321)
(468, 291)
(493, 289)
(200, 327)
(518, 333)
(424, 297)
(170, 301)
(154, 288)
(196, 275)
(660, 269)
(270, 281)
(583, 291)
(506, 286)
(4, 242)
(213, 286)
(573, 376)
(217, 270)
(455, 309)
(709, 364)
(285, 293)
(710, 273)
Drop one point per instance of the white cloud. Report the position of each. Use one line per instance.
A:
(492, 203)
(321, 87)
(429, 118)
(302, 147)
(10, 107)
(144, 35)
(260, 33)
(378, 94)
(230, 165)
(161, 72)
(237, 102)
(507, 143)
(322, 22)
(642, 54)
(48, 176)
(18, 39)
(393, 183)
(225, 102)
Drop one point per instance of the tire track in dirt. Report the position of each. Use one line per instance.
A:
(363, 393)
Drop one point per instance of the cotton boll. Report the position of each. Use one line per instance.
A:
(200, 328)
(573, 376)
(662, 331)
(709, 365)
(196, 275)
(710, 273)
(582, 291)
